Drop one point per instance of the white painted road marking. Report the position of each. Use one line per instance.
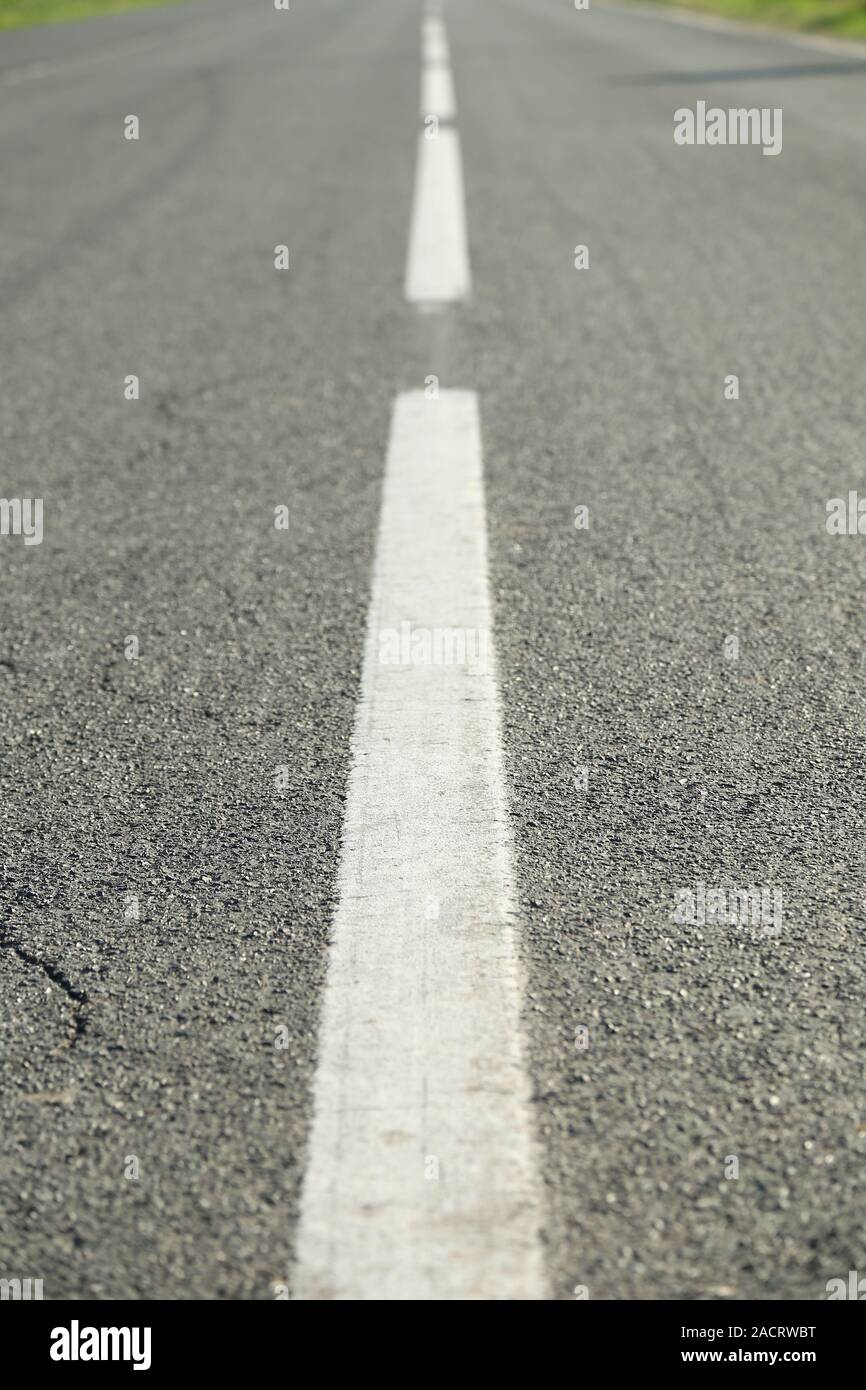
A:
(437, 267)
(437, 264)
(421, 1173)
(437, 93)
(434, 42)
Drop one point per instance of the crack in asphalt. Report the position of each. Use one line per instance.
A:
(77, 997)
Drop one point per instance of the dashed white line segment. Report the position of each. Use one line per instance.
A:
(421, 1178)
(437, 263)
(421, 1175)
(437, 92)
(437, 267)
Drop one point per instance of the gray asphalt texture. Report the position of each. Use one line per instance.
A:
(154, 1037)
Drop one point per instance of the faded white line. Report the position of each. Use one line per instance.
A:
(437, 265)
(434, 42)
(421, 1174)
(437, 262)
(437, 92)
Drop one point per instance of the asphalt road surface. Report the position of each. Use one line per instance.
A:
(681, 681)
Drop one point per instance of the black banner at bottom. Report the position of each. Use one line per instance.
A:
(161, 1340)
